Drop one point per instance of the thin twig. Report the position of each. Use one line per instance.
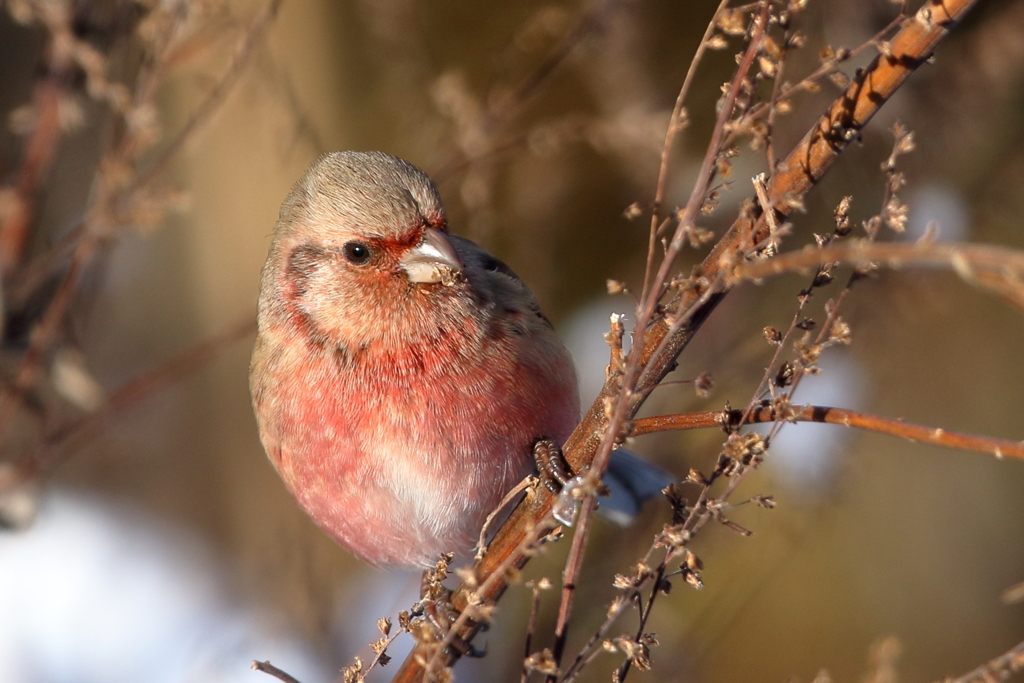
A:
(732, 419)
(799, 172)
(997, 669)
(105, 213)
(239, 61)
(268, 668)
(675, 124)
(573, 565)
(531, 627)
(1000, 269)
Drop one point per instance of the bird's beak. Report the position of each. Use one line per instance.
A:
(432, 260)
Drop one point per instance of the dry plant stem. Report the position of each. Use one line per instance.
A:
(826, 328)
(645, 613)
(268, 668)
(570, 574)
(992, 267)
(39, 150)
(675, 124)
(623, 401)
(589, 651)
(796, 175)
(215, 97)
(997, 669)
(732, 419)
(61, 445)
(591, 22)
(104, 215)
(531, 628)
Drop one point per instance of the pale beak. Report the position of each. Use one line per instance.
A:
(432, 260)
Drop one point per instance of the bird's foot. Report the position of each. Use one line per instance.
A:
(554, 470)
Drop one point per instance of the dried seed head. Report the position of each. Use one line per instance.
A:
(633, 211)
(693, 562)
(732, 22)
(784, 377)
(839, 332)
(703, 385)
(841, 80)
(404, 620)
(542, 662)
(842, 216)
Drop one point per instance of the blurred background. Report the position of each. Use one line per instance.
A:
(155, 543)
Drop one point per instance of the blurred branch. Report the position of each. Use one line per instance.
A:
(622, 386)
(660, 340)
(497, 113)
(60, 445)
(997, 669)
(731, 419)
(1000, 269)
(117, 188)
(239, 61)
(268, 668)
(63, 444)
(39, 150)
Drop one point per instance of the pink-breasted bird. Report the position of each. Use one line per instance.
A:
(401, 375)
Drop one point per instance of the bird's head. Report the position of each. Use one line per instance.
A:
(361, 250)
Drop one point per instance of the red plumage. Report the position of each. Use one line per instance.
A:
(401, 375)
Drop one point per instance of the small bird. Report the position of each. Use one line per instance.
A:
(401, 375)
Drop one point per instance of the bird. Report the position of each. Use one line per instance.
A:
(401, 375)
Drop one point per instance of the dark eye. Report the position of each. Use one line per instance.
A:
(357, 252)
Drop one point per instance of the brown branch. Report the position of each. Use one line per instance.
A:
(997, 669)
(759, 25)
(62, 444)
(268, 668)
(531, 627)
(797, 174)
(836, 416)
(592, 21)
(570, 575)
(107, 211)
(994, 267)
(239, 61)
(58, 447)
(675, 123)
(38, 154)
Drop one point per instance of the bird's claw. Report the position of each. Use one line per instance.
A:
(554, 471)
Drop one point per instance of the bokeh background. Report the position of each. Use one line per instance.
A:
(165, 549)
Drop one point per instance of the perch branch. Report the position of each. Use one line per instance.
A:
(836, 416)
(911, 47)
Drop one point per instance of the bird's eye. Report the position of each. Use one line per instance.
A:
(357, 252)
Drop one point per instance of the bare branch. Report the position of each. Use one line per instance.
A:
(662, 339)
(731, 419)
(1000, 269)
(997, 669)
(268, 668)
